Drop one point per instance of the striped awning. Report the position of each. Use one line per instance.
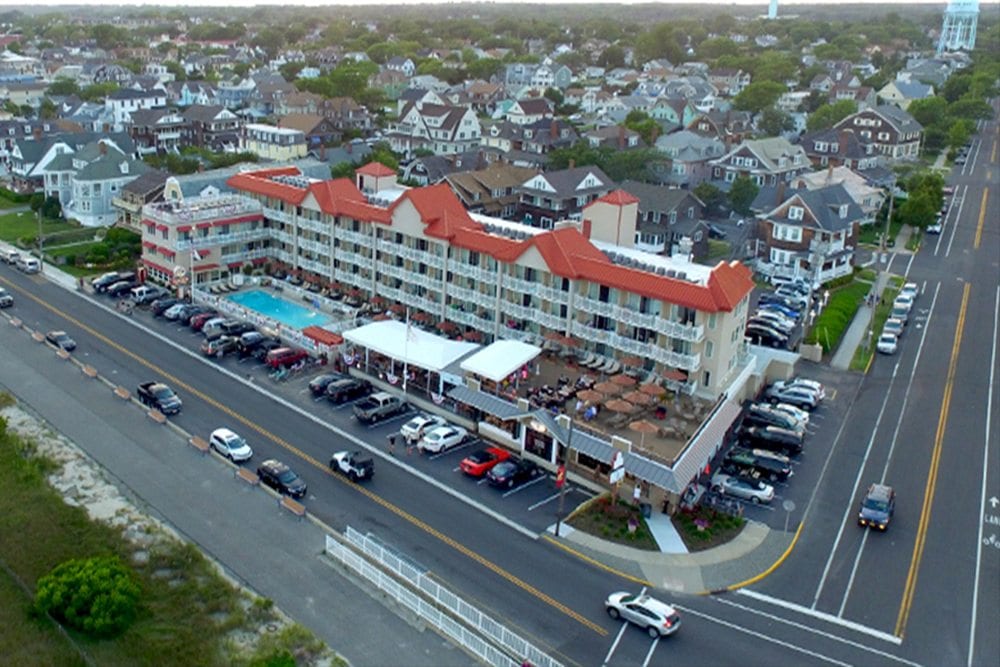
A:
(706, 442)
(488, 403)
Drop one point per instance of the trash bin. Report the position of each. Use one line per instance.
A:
(646, 510)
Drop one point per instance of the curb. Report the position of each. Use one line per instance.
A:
(774, 566)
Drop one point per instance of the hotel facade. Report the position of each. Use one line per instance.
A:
(582, 282)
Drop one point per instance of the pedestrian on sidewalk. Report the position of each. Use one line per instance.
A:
(392, 444)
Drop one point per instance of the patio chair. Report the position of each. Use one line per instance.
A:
(596, 363)
(615, 367)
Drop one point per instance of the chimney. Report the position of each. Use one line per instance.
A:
(621, 138)
(102, 147)
(322, 152)
(585, 229)
(572, 163)
(36, 132)
(781, 192)
(553, 130)
(829, 173)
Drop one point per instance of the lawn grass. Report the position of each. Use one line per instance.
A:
(186, 609)
(610, 521)
(871, 234)
(831, 324)
(718, 250)
(867, 275)
(862, 355)
(14, 226)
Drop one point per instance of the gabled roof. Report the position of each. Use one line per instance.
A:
(565, 181)
(341, 197)
(822, 206)
(375, 169)
(304, 122)
(657, 197)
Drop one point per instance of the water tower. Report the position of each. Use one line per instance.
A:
(958, 32)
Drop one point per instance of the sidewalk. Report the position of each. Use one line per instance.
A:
(858, 329)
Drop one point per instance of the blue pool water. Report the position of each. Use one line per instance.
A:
(276, 308)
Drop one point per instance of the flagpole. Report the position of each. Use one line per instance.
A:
(406, 348)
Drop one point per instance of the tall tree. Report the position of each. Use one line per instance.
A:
(773, 121)
(742, 193)
(758, 96)
(829, 115)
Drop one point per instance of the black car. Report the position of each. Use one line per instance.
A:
(159, 306)
(764, 415)
(346, 389)
(190, 311)
(715, 232)
(772, 438)
(766, 336)
(258, 348)
(104, 281)
(280, 477)
(747, 463)
(512, 472)
(120, 288)
(318, 385)
(61, 340)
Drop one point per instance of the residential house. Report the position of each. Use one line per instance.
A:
(269, 90)
(432, 169)
(186, 93)
(156, 130)
(869, 198)
(766, 161)
(438, 128)
(402, 65)
(21, 94)
(670, 221)
(618, 137)
(213, 127)
(145, 189)
(529, 110)
(417, 96)
(729, 81)
(547, 198)
(270, 142)
(892, 132)
(234, 92)
(838, 148)
(299, 102)
(810, 233)
(106, 73)
(481, 96)
(688, 154)
(491, 191)
(120, 104)
(903, 93)
(731, 127)
(863, 96)
(932, 71)
(87, 180)
(15, 129)
(30, 156)
(346, 114)
(695, 89)
(538, 138)
(318, 130)
(675, 111)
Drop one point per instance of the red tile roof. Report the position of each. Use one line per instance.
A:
(618, 198)
(259, 182)
(375, 169)
(341, 197)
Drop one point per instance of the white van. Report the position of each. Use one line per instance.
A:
(28, 264)
(9, 254)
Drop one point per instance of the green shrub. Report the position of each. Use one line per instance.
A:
(97, 596)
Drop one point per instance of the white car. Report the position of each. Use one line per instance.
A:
(753, 490)
(798, 414)
(174, 311)
(800, 397)
(442, 438)
(911, 290)
(417, 427)
(659, 619)
(812, 385)
(903, 301)
(886, 343)
(230, 445)
(894, 326)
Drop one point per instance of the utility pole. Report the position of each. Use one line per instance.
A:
(565, 472)
(41, 255)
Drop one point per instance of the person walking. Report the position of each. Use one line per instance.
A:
(392, 444)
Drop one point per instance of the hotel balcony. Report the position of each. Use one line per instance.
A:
(314, 246)
(284, 237)
(246, 255)
(211, 209)
(478, 273)
(354, 237)
(471, 296)
(314, 225)
(221, 239)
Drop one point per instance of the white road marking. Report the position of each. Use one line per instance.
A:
(892, 444)
(767, 638)
(954, 226)
(542, 502)
(540, 478)
(649, 655)
(823, 616)
(614, 645)
(986, 467)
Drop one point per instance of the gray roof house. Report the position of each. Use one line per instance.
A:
(547, 198)
(688, 154)
(892, 132)
(86, 181)
(669, 221)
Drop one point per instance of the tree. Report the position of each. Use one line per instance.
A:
(773, 121)
(639, 121)
(829, 115)
(959, 133)
(712, 197)
(176, 69)
(47, 110)
(717, 46)
(98, 91)
(483, 68)
(758, 96)
(742, 193)
(97, 596)
(63, 86)
(611, 57)
(918, 210)
(928, 111)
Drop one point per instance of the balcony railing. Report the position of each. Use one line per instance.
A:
(211, 209)
(314, 225)
(354, 237)
(246, 255)
(222, 239)
(284, 237)
(314, 246)
(471, 296)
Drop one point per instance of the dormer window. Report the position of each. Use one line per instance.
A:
(795, 212)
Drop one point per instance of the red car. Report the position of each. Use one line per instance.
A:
(198, 321)
(283, 357)
(479, 463)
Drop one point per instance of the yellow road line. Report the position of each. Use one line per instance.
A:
(774, 566)
(430, 530)
(993, 154)
(925, 513)
(596, 563)
(982, 218)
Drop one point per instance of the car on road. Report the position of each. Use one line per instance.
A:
(61, 340)
(230, 445)
(442, 438)
(877, 507)
(900, 313)
(910, 289)
(318, 385)
(419, 426)
(219, 347)
(903, 301)
(894, 326)
(935, 227)
(513, 472)
(657, 618)
(479, 462)
(347, 389)
(753, 490)
(281, 478)
(887, 343)
(355, 465)
(6, 300)
(159, 396)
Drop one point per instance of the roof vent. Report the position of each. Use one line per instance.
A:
(660, 271)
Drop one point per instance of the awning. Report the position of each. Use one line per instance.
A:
(500, 359)
(234, 265)
(205, 267)
(184, 228)
(258, 261)
(706, 442)
(162, 228)
(148, 244)
(167, 252)
(409, 344)
(322, 336)
(158, 267)
(581, 441)
(203, 225)
(488, 403)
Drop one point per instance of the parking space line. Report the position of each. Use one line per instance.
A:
(649, 655)
(614, 644)
(524, 486)
(542, 502)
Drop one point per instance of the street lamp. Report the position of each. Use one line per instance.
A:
(562, 481)
(41, 255)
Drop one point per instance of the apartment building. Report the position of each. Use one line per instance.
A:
(270, 142)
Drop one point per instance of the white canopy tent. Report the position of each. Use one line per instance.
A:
(500, 359)
(409, 345)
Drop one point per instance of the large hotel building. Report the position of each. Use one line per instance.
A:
(419, 247)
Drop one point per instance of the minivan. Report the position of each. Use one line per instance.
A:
(28, 264)
(283, 357)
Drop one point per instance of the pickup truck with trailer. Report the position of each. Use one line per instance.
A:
(160, 396)
(377, 407)
(354, 465)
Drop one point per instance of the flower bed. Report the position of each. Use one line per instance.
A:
(704, 528)
(617, 521)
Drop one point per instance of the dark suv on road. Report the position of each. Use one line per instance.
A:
(877, 507)
(280, 477)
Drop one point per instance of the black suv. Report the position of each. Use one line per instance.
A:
(346, 389)
(261, 349)
(158, 307)
(747, 463)
(877, 507)
(772, 438)
(318, 385)
(280, 477)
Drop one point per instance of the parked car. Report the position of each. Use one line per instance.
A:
(248, 342)
(753, 490)
(786, 310)
(657, 618)
(174, 311)
(513, 472)
(158, 307)
(230, 445)
(894, 326)
(886, 344)
(443, 437)
(236, 328)
(219, 347)
(61, 340)
(762, 322)
(935, 227)
(716, 232)
(800, 397)
(100, 283)
(772, 438)
(419, 426)
(281, 478)
(264, 348)
(191, 312)
(479, 462)
(347, 389)
(198, 321)
(766, 336)
(900, 313)
(911, 290)
(903, 301)
(283, 357)
(160, 396)
(774, 318)
(747, 463)
(798, 414)
(120, 288)
(765, 415)
(877, 507)
(318, 385)
(798, 381)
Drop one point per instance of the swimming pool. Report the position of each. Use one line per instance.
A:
(276, 308)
